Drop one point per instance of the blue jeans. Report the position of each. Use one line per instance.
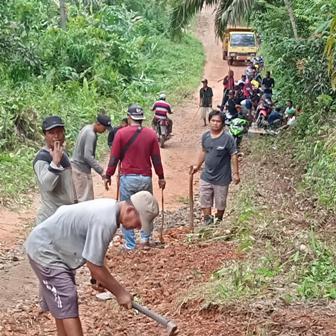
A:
(130, 185)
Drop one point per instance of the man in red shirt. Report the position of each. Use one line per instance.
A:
(137, 148)
(161, 109)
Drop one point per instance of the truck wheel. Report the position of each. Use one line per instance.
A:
(230, 61)
(224, 55)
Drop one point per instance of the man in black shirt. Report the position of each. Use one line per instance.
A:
(231, 105)
(218, 152)
(114, 130)
(268, 83)
(205, 104)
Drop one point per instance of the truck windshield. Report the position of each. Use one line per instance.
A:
(242, 40)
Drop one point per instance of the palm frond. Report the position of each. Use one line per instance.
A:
(184, 10)
(232, 13)
(329, 52)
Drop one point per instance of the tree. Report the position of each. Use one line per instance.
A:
(291, 18)
(227, 12)
(63, 14)
(330, 52)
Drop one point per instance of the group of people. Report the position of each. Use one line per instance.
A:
(248, 100)
(73, 228)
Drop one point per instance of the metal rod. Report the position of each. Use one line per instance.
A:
(191, 198)
(162, 219)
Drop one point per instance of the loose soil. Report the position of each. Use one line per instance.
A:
(161, 278)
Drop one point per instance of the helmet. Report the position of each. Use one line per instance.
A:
(237, 127)
(162, 96)
(255, 83)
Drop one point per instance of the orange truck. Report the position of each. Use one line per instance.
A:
(239, 44)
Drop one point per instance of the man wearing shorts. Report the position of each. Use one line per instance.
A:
(205, 103)
(218, 150)
(80, 234)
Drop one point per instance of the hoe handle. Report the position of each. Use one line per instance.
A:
(171, 327)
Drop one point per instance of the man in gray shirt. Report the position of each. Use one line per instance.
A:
(83, 158)
(53, 170)
(80, 234)
(218, 150)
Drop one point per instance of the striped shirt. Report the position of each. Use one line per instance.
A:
(161, 108)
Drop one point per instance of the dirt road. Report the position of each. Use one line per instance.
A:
(181, 151)
(18, 285)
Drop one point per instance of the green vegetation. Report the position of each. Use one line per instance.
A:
(299, 45)
(110, 54)
(300, 68)
(286, 250)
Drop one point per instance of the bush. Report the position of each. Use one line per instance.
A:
(109, 56)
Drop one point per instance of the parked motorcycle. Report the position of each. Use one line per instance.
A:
(263, 111)
(237, 128)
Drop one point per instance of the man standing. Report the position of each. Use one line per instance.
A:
(218, 150)
(205, 103)
(53, 170)
(268, 84)
(229, 84)
(80, 234)
(113, 131)
(83, 157)
(136, 147)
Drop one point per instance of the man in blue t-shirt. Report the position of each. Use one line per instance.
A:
(218, 150)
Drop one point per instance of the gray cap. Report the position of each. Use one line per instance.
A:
(147, 207)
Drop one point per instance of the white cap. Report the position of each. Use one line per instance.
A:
(147, 207)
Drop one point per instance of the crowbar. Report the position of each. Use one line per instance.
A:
(162, 218)
(191, 198)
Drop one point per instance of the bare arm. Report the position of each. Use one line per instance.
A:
(105, 278)
(235, 168)
(200, 161)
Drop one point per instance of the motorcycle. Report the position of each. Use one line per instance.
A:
(263, 111)
(162, 129)
(237, 128)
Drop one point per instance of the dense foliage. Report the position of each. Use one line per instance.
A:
(111, 54)
(301, 71)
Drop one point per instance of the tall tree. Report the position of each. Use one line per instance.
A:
(227, 12)
(291, 18)
(63, 14)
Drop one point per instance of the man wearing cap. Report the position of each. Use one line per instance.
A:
(205, 103)
(80, 234)
(83, 157)
(137, 148)
(53, 170)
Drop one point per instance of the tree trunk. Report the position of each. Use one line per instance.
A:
(63, 14)
(291, 18)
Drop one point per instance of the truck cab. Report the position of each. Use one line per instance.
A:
(239, 44)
